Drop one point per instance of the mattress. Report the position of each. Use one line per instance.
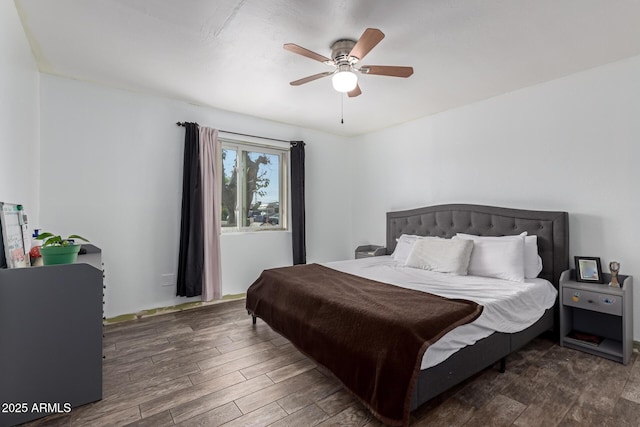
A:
(508, 306)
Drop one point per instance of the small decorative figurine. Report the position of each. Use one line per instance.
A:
(614, 266)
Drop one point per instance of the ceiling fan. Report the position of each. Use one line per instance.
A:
(345, 55)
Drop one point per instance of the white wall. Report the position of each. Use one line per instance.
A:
(112, 172)
(19, 115)
(572, 144)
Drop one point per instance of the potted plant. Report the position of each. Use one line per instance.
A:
(56, 250)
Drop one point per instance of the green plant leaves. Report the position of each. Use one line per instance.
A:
(52, 240)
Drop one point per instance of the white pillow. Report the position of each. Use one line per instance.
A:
(532, 261)
(404, 246)
(499, 257)
(441, 255)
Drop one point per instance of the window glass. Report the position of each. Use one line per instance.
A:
(262, 189)
(253, 188)
(229, 187)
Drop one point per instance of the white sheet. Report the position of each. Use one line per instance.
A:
(508, 306)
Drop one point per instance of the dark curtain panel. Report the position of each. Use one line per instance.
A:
(297, 203)
(191, 255)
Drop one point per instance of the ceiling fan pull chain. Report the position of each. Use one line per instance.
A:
(342, 108)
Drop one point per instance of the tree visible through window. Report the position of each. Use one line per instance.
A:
(252, 188)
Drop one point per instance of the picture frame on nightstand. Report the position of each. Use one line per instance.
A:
(588, 269)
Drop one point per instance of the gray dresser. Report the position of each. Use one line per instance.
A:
(50, 338)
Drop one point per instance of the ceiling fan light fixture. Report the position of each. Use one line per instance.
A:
(344, 80)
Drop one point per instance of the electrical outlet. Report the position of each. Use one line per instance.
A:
(167, 279)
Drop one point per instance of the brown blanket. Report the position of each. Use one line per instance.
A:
(371, 335)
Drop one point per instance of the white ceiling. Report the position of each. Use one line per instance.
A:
(228, 53)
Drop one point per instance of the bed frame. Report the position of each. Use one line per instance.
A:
(552, 229)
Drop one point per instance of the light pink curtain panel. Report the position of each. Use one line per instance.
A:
(210, 150)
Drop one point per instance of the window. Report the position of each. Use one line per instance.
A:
(253, 187)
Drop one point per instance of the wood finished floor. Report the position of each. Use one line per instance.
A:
(211, 367)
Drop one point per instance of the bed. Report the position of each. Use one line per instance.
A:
(551, 229)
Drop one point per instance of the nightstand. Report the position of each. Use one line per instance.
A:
(596, 318)
(369, 251)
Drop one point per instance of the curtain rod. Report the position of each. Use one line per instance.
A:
(241, 134)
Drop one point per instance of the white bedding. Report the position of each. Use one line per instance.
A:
(508, 306)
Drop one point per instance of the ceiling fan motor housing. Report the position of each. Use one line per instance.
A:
(340, 52)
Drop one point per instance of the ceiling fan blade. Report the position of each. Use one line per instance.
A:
(368, 40)
(291, 47)
(310, 78)
(355, 92)
(387, 70)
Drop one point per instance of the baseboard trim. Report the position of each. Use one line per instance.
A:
(171, 309)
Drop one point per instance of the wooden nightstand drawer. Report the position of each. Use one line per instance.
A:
(595, 301)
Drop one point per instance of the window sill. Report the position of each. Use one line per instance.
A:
(255, 232)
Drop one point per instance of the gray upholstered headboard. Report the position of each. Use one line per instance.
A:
(552, 229)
